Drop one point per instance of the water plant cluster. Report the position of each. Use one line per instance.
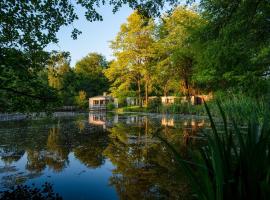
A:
(235, 162)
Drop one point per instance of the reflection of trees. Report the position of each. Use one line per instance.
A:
(80, 123)
(144, 168)
(53, 153)
(35, 161)
(57, 150)
(11, 155)
(48, 143)
(90, 150)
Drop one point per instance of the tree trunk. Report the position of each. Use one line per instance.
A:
(146, 93)
(139, 92)
(187, 87)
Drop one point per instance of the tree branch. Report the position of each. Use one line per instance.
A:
(28, 95)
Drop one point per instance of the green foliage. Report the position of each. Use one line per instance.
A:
(110, 106)
(183, 108)
(23, 81)
(90, 77)
(154, 105)
(234, 164)
(81, 99)
(132, 48)
(235, 44)
(217, 46)
(132, 109)
(239, 105)
(24, 192)
(26, 28)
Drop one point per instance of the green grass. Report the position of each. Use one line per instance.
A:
(169, 109)
(131, 109)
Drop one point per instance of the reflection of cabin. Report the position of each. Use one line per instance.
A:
(97, 119)
(132, 101)
(100, 119)
(101, 102)
(167, 122)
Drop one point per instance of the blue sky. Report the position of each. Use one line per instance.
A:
(95, 36)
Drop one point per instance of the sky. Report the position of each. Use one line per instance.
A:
(95, 36)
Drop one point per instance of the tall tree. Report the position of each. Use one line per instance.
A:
(90, 75)
(26, 27)
(235, 44)
(175, 51)
(132, 49)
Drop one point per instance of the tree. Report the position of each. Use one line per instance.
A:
(57, 68)
(132, 49)
(235, 44)
(22, 81)
(26, 28)
(175, 49)
(81, 99)
(90, 74)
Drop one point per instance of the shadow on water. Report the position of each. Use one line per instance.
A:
(99, 155)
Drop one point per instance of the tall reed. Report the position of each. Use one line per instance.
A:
(235, 162)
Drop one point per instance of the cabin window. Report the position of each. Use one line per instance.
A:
(96, 102)
(102, 102)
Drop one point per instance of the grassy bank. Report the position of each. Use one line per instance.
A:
(238, 105)
(168, 109)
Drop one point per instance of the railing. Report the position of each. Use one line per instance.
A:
(97, 107)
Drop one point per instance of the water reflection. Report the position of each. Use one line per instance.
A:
(134, 164)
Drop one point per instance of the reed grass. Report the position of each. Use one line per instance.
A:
(235, 162)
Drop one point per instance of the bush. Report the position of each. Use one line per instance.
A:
(81, 100)
(154, 105)
(110, 106)
(182, 108)
(134, 109)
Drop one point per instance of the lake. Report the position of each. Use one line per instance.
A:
(99, 155)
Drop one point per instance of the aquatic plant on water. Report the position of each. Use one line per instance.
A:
(24, 192)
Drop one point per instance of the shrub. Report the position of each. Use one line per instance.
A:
(110, 106)
(154, 105)
(81, 100)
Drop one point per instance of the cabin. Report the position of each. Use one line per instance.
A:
(101, 102)
(198, 99)
(171, 99)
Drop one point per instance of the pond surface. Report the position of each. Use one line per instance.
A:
(98, 155)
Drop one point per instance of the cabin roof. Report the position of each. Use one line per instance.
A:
(100, 97)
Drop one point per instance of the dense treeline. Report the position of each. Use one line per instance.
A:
(54, 83)
(193, 51)
(214, 46)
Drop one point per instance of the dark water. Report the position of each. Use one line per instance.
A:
(99, 156)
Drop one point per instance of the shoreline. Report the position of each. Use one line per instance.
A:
(7, 117)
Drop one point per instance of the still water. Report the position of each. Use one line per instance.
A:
(99, 156)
